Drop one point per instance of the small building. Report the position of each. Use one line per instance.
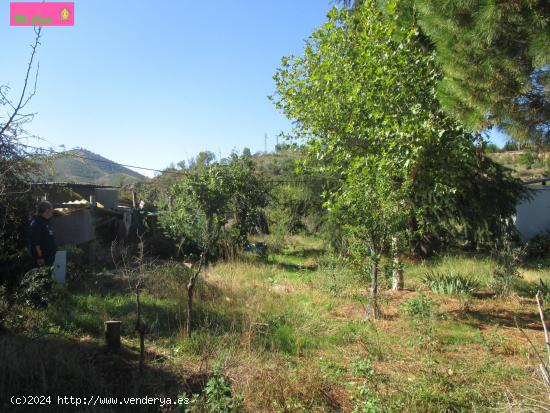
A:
(533, 215)
(82, 211)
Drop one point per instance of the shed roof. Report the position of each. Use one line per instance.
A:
(74, 185)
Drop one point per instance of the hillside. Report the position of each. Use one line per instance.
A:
(81, 165)
(525, 164)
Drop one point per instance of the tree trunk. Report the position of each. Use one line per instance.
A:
(141, 349)
(374, 291)
(140, 327)
(190, 292)
(397, 273)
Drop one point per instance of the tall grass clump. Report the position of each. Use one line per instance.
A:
(450, 283)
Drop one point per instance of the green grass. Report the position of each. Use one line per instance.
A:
(458, 334)
(290, 332)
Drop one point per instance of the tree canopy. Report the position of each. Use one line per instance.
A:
(207, 199)
(495, 58)
(363, 98)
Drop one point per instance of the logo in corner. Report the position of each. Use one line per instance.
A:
(65, 15)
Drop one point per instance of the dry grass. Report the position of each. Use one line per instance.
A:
(291, 336)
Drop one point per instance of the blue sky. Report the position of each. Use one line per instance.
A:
(149, 83)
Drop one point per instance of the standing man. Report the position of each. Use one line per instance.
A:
(42, 241)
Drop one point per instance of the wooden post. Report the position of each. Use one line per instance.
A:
(112, 334)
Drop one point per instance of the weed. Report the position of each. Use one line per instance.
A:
(362, 368)
(419, 307)
(420, 310)
(366, 400)
(368, 403)
(217, 397)
(497, 343)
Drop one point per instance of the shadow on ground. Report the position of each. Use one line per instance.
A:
(56, 366)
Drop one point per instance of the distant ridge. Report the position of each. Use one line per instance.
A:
(83, 166)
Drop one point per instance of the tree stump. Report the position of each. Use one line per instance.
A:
(112, 334)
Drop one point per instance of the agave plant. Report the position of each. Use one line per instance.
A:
(451, 283)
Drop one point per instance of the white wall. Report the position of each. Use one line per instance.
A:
(533, 217)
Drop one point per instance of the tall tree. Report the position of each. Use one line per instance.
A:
(202, 204)
(495, 58)
(363, 95)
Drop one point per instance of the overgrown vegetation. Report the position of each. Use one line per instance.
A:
(269, 291)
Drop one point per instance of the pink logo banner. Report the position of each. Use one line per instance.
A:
(41, 14)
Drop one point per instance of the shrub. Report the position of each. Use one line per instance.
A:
(451, 284)
(276, 242)
(217, 397)
(419, 307)
(421, 311)
(506, 274)
(36, 287)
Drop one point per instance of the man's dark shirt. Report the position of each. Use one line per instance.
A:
(42, 234)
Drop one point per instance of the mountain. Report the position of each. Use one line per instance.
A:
(82, 166)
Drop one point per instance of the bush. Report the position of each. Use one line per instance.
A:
(506, 274)
(277, 240)
(539, 246)
(419, 307)
(451, 284)
(421, 312)
(36, 287)
(217, 397)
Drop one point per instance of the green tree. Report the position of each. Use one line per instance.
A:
(373, 212)
(195, 217)
(203, 202)
(363, 99)
(206, 199)
(495, 60)
(249, 195)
